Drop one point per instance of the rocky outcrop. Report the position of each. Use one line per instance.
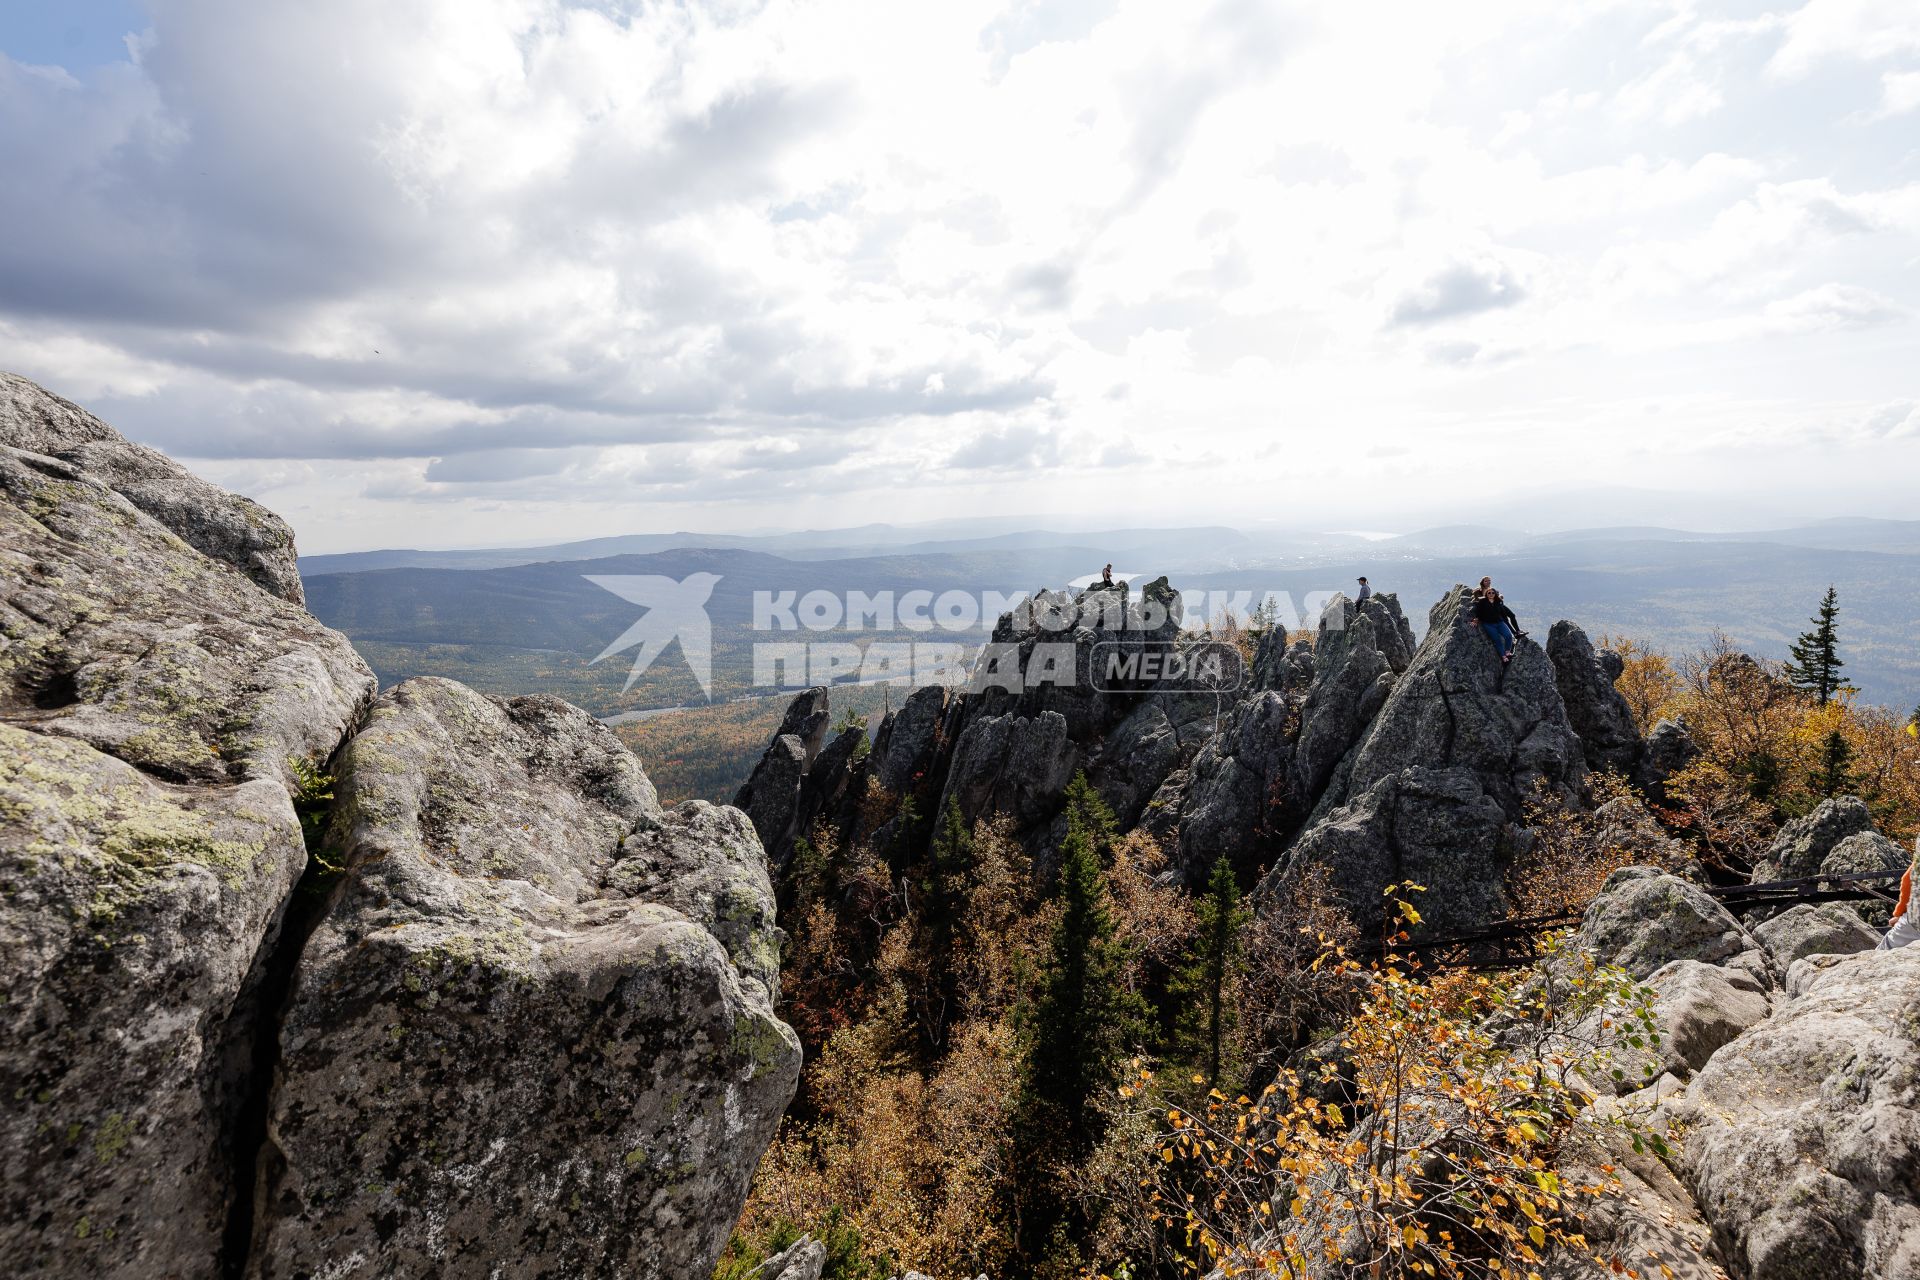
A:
(538, 1022)
(156, 709)
(771, 797)
(908, 740)
(1017, 765)
(1235, 798)
(1456, 707)
(222, 526)
(1643, 920)
(1360, 651)
(1441, 777)
(527, 1014)
(804, 1259)
(1669, 748)
(1814, 928)
(1804, 845)
(1434, 827)
(1596, 709)
(1805, 1131)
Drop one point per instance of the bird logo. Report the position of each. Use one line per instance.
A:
(675, 610)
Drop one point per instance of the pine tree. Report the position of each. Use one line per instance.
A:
(1203, 988)
(1816, 661)
(1836, 760)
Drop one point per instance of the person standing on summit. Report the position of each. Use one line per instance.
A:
(1366, 593)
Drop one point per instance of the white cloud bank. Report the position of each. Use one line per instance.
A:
(465, 271)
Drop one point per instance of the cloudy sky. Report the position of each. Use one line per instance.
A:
(461, 272)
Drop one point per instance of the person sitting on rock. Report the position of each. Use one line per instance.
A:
(1366, 593)
(1495, 621)
(1106, 576)
(1905, 928)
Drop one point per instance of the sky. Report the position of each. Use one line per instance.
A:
(487, 272)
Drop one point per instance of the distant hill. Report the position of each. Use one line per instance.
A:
(535, 627)
(1170, 546)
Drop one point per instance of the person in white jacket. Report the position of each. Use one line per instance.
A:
(1905, 930)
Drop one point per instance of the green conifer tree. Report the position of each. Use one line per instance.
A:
(1077, 1029)
(943, 901)
(1836, 766)
(1203, 987)
(1816, 663)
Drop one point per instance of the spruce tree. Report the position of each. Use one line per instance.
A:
(1076, 1030)
(1203, 988)
(943, 900)
(1816, 663)
(1082, 1020)
(1836, 760)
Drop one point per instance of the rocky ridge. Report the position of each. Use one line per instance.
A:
(1365, 758)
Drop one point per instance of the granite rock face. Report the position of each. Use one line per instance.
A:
(1804, 845)
(1814, 928)
(223, 526)
(537, 1023)
(1643, 919)
(1805, 1131)
(529, 1013)
(1597, 710)
(156, 707)
(1436, 786)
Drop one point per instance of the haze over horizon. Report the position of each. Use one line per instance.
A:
(513, 272)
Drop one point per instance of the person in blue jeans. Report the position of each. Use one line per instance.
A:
(1496, 621)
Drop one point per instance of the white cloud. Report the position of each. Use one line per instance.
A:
(529, 263)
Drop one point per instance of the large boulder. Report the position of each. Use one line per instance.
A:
(1643, 919)
(1697, 1008)
(223, 526)
(1597, 710)
(1804, 1133)
(1804, 845)
(1812, 929)
(804, 1259)
(158, 714)
(537, 1022)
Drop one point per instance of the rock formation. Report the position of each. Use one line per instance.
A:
(509, 1011)
(1805, 1131)
(551, 1000)
(1597, 710)
(157, 704)
(1441, 775)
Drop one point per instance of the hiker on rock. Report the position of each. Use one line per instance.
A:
(1106, 576)
(1366, 593)
(1496, 621)
(1905, 928)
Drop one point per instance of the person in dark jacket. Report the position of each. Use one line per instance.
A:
(1496, 621)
